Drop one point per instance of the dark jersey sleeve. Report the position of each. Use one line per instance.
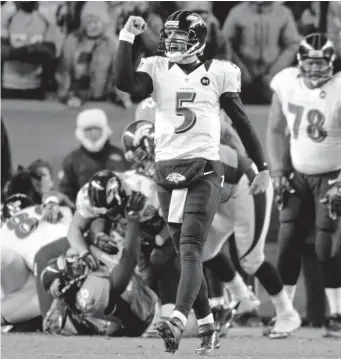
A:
(232, 105)
(123, 271)
(128, 80)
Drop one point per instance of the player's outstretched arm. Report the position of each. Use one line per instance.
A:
(277, 141)
(127, 80)
(122, 273)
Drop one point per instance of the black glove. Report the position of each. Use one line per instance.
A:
(105, 243)
(333, 199)
(90, 260)
(282, 187)
(135, 204)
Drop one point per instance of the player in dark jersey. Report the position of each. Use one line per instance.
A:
(109, 290)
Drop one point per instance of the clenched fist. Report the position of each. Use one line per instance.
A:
(135, 25)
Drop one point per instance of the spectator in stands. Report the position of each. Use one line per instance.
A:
(215, 41)
(27, 52)
(262, 39)
(6, 162)
(334, 29)
(85, 70)
(94, 154)
(307, 15)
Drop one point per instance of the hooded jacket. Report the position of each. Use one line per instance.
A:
(264, 36)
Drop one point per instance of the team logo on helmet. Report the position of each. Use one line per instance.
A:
(195, 18)
(112, 190)
(175, 177)
(142, 131)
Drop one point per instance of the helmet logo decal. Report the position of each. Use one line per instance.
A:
(97, 185)
(112, 190)
(142, 131)
(195, 18)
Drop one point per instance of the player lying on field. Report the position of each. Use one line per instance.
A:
(106, 288)
(33, 231)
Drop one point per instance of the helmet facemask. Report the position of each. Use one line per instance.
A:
(317, 70)
(178, 44)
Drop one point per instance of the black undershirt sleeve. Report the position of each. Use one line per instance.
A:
(128, 80)
(232, 105)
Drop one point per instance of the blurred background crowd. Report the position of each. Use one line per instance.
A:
(66, 49)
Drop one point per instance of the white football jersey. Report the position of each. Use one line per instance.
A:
(314, 120)
(187, 122)
(131, 181)
(26, 232)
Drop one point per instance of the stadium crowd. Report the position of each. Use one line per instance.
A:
(66, 51)
(68, 48)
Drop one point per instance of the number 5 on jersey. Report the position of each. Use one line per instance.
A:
(190, 117)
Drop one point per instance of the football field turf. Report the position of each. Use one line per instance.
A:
(240, 344)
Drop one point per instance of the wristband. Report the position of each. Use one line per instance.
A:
(126, 36)
(51, 199)
(262, 167)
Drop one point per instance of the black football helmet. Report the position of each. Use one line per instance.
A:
(315, 58)
(139, 148)
(14, 204)
(105, 191)
(193, 40)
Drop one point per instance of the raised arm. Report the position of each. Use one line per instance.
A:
(138, 83)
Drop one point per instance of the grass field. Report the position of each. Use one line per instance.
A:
(240, 344)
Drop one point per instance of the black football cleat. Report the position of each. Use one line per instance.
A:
(171, 332)
(209, 339)
(223, 318)
(333, 326)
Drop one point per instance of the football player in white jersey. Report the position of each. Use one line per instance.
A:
(189, 95)
(28, 241)
(304, 147)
